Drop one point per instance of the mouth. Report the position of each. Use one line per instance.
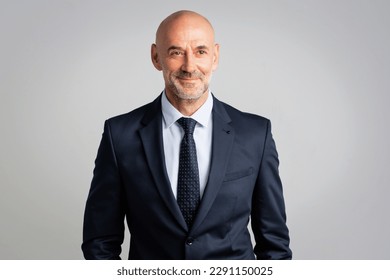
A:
(187, 78)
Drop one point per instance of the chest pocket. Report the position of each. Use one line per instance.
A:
(231, 176)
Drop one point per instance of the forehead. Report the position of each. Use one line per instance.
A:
(186, 30)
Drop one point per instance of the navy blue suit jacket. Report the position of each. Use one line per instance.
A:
(130, 180)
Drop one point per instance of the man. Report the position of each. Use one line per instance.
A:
(187, 171)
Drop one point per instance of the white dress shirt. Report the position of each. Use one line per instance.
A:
(173, 134)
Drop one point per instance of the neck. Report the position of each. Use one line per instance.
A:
(187, 107)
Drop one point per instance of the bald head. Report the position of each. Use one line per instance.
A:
(185, 19)
(187, 55)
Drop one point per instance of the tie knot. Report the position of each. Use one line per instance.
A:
(187, 124)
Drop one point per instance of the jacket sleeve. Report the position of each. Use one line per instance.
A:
(103, 230)
(268, 216)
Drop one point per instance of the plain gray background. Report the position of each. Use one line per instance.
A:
(318, 69)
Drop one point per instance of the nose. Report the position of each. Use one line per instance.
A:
(189, 64)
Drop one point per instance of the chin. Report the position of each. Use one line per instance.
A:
(189, 96)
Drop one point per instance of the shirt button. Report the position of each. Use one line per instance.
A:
(189, 241)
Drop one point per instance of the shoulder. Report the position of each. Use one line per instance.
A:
(135, 117)
(239, 118)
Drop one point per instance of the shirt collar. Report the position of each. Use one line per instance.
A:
(171, 114)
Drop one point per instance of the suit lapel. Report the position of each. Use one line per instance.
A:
(151, 136)
(222, 143)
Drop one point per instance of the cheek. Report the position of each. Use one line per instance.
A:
(171, 64)
(207, 67)
(166, 69)
(166, 76)
(207, 73)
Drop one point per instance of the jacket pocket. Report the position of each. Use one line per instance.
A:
(238, 174)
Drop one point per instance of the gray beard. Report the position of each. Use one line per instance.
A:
(180, 92)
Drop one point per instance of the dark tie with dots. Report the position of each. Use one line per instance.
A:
(188, 194)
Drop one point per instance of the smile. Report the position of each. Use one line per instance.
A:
(188, 79)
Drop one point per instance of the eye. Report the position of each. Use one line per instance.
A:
(202, 52)
(176, 53)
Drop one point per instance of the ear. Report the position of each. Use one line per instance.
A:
(215, 57)
(155, 58)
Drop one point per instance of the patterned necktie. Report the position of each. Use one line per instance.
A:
(188, 194)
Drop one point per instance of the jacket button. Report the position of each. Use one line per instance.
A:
(189, 241)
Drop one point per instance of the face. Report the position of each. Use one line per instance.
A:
(186, 54)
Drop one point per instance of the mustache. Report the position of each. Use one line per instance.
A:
(188, 75)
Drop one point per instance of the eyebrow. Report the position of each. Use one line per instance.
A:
(201, 47)
(174, 48)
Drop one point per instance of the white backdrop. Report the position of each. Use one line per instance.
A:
(318, 69)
